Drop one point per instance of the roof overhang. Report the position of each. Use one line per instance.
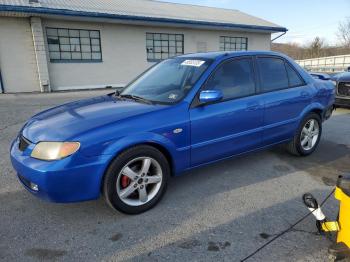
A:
(128, 19)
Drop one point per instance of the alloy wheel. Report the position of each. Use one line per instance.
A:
(309, 134)
(139, 181)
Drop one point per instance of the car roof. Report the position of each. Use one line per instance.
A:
(216, 55)
(222, 55)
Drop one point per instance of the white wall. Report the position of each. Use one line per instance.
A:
(124, 52)
(17, 59)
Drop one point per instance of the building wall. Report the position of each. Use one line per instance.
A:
(124, 52)
(17, 58)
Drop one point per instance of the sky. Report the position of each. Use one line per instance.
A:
(304, 19)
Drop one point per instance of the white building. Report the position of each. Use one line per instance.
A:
(50, 45)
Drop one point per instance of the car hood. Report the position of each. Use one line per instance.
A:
(70, 120)
(342, 77)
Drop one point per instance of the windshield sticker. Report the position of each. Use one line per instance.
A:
(172, 96)
(196, 63)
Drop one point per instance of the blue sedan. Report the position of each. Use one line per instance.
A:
(180, 114)
(342, 83)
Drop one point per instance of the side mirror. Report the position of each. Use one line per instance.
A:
(209, 96)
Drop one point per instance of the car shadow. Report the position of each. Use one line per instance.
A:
(328, 162)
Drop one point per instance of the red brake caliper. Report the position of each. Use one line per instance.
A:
(125, 181)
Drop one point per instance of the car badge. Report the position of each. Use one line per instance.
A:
(177, 130)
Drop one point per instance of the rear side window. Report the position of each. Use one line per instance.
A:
(273, 74)
(234, 78)
(294, 78)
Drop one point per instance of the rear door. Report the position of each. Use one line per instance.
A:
(230, 126)
(285, 96)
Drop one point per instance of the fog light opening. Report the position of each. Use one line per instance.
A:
(34, 186)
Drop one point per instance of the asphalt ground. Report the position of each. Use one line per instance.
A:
(221, 212)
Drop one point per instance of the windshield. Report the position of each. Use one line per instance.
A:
(169, 81)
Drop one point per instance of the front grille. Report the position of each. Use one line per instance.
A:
(344, 89)
(23, 143)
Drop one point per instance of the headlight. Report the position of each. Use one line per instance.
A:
(334, 83)
(54, 150)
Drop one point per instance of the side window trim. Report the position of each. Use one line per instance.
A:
(260, 91)
(195, 102)
(303, 83)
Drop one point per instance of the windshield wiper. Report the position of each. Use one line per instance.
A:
(137, 98)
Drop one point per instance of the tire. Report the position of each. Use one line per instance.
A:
(127, 174)
(296, 147)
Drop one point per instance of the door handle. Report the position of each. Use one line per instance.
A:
(253, 107)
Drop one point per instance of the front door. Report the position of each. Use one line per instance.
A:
(233, 125)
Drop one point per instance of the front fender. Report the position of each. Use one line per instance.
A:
(179, 156)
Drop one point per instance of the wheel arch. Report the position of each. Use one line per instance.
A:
(154, 144)
(317, 111)
(312, 108)
(165, 152)
(161, 143)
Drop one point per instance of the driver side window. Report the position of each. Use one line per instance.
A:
(234, 79)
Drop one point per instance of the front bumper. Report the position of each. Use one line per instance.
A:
(342, 102)
(75, 178)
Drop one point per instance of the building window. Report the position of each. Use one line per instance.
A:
(233, 43)
(74, 45)
(163, 46)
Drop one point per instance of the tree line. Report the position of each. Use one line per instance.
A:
(318, 47)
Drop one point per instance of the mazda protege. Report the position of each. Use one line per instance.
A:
(182, 113)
